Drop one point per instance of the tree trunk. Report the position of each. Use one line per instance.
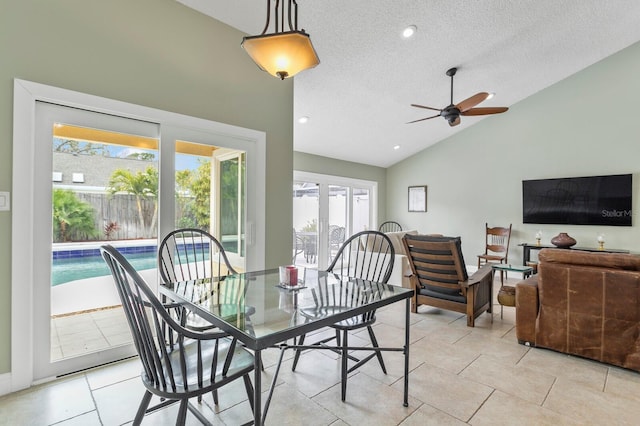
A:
(154, 218)
(140, 215)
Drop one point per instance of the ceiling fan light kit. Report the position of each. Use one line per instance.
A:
(282, 53)
(452, 112)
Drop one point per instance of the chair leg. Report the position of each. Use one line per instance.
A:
(345, 350)
(182, 412)
(374, 342)
(214, 393)
(142, 409)
(298, 352)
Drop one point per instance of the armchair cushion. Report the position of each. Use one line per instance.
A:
(446, 296)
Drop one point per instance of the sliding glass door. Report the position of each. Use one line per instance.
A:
(97, 183)
(89, 171)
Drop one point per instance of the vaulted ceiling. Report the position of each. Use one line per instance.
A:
(358, 99)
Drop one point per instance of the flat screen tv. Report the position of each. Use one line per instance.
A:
(593, 200)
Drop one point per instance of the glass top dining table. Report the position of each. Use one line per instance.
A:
(262, 313)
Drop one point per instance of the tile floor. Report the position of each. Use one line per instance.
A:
(86, 332)
(459, 375)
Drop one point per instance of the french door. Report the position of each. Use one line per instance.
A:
(327, 210)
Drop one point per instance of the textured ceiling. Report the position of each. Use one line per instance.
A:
(358, 99)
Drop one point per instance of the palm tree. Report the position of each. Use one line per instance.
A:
(71, 216)
(143, 185)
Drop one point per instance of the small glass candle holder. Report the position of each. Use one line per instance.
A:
(600, 241)
(292, 275)
(285, 275)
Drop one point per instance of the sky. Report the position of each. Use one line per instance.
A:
(183, 161)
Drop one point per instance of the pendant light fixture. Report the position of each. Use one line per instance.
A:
(282, 53)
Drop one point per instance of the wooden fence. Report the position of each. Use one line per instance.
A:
(122, 210)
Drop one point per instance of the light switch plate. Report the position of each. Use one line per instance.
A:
(5, 201)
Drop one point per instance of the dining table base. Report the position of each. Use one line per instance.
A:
(260, 413)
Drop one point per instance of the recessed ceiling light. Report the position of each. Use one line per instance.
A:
(409, 31)
(396, 147)
(491, 95)
(303, 120)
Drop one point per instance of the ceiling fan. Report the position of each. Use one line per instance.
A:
(453, 112)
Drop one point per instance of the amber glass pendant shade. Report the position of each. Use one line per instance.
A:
(282, 55)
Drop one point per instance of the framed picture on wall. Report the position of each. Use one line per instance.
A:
(418, 198)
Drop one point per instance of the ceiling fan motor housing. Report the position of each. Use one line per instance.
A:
(450, 113)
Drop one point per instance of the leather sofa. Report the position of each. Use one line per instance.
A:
(583, 303)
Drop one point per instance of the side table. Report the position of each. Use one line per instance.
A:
(507, 293)
(526, 250)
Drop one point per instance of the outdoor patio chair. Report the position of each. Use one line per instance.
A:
(196, 363)
(367, 255)
(298, 245)
(440, 277)
(336, 237)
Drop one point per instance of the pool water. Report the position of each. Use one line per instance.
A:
(64, 270)
(77, 268)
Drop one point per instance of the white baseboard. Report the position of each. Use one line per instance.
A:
(5, 384)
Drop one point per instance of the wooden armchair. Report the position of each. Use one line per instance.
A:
(440, 277)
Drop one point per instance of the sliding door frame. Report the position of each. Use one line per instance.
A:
(24, 240)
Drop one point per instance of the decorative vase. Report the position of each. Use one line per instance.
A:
(563, 240)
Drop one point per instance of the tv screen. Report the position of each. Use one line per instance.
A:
(594, 200)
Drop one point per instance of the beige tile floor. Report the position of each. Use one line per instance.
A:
(86, 332)
(459, 375)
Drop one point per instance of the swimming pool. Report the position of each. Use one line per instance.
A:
(64, 270)
(72, 265)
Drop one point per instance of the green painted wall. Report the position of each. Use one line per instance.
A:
(329, 166)
(584, 125)
(155, 53)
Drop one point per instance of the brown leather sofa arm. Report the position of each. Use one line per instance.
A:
(527, 310)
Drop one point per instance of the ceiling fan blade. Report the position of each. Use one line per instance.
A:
(485, 111)
(425, 107)
(455, 122)
(422, 119)
(472, 101)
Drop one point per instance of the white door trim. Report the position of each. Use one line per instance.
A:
(26, 94)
